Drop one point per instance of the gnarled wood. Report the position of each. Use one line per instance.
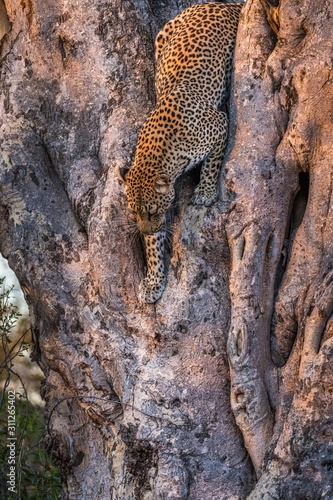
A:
(275, 90)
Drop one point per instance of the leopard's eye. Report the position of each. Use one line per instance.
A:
(153, 209)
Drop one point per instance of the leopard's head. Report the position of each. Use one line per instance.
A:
(149, 196)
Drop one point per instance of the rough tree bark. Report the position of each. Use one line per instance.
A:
(283, 97)
(139, 395)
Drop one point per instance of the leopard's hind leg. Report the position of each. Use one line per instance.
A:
(206, 191)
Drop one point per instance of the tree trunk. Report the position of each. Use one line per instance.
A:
(138, 395)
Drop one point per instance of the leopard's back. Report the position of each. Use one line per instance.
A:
(195, 51)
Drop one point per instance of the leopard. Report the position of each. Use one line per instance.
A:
(188, 126)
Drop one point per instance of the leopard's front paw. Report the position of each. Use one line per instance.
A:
(204, 197)
(151, 288)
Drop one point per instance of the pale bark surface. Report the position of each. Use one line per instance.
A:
(283, 97)
(148, 413)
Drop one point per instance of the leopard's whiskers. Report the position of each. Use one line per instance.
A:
(134, 236)
(168, 235)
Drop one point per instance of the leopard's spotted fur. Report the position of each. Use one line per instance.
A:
(194, 55)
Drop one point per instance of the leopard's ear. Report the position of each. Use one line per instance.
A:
(122, 172)
(162, 183)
